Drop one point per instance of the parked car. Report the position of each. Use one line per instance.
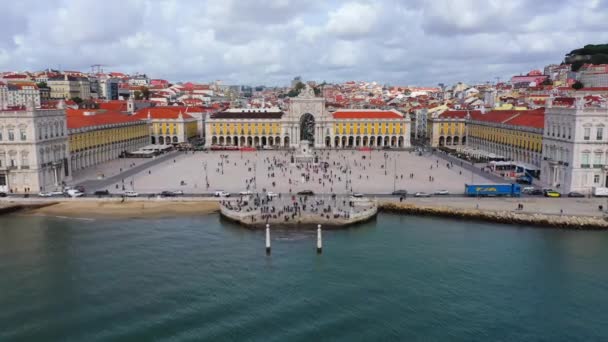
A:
(245, 193)
(45, 194)
(178, 193)
(537, 192)
(167, 194)
(74, 193)
(306, 192)
(271, 194)
(130, 193)
(552, 193)
(575, 194)
(57, 193)
(221, 193)
(3, 194)
(527, 189)
(399, 192)
(102, 193)
(442, 192)
(422, 194)
(357, 195)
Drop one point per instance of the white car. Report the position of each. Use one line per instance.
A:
(422, 194)
(442, 192)
(221, 193)
(45, 194)
(271, 194)
(131, 194)
(357, 195)
(74, 193)
(245, 193)
(56, 193)
(177, 192)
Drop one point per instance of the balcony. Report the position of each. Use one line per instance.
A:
(585, 166)
(598, 166)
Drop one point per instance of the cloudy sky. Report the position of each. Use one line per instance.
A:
(400, 42)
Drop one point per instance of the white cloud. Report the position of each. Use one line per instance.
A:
(270, 41)
(353, 20)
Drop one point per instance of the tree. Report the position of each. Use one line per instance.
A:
(547, 82)
(137, 95)
(42, 85)
(578, 85)
(295, 91)
(145, 93)
(77, 99)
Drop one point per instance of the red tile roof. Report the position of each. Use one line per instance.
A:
(114, 105)
(167, 112)
(456, 114)
(77, 119)
(529, 118)
(378, 114)
(525, 118)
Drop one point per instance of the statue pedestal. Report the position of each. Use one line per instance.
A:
(304, 153)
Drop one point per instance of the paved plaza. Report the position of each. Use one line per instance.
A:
(340, 172)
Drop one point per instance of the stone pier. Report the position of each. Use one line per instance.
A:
(255, 211)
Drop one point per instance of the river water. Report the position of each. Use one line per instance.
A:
(393, 279)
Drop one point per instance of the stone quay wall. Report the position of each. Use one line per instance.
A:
(502, 216)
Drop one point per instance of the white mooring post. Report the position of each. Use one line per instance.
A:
(267, 239)
(319, 240)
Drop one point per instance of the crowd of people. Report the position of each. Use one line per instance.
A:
(263, 208)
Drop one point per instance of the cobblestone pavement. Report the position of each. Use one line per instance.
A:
(347, 171)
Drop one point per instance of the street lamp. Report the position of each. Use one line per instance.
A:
(395, 174)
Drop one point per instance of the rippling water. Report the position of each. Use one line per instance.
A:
(397, 278)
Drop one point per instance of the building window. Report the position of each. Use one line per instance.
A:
(22, 134)
(597, 159)
(587, 134)
(599, 134)
(11, 134)
(596, 179)
(585, 160)
(569, 132)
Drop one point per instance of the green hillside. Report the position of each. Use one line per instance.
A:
(593, 54)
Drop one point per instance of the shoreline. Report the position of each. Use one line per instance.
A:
(114, 208)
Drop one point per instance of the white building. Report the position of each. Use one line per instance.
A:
(575, 144)
(22, 93)
(3, 93)
(33, 149)
(594, 76)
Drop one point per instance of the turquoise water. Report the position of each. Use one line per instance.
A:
(393, 279)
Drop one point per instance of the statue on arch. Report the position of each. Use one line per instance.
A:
(308, 91)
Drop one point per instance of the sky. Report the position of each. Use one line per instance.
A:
(397, 42)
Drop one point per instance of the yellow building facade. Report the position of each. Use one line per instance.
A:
(447, 128)
(99, 136)
(340, 129)
(169, 125)
(514, 135)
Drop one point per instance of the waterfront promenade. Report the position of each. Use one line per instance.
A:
(564, 209)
